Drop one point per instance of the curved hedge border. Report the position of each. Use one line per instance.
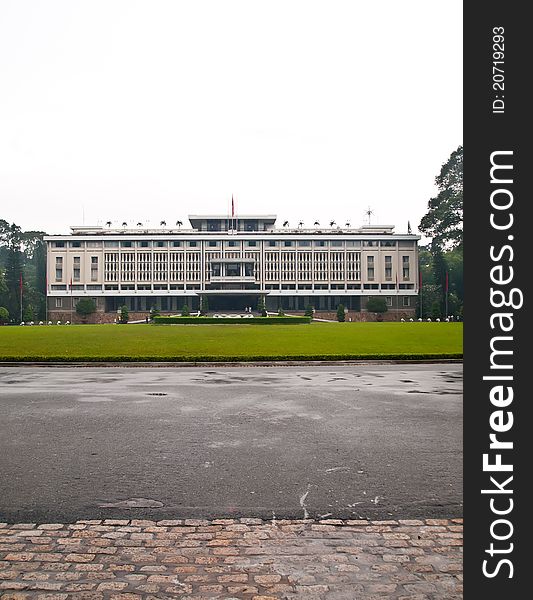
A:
(242, 358)
(231, 320)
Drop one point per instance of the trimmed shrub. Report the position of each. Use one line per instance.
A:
(4, 315)
(185, 312)
(341, 315)
(85, 307)
(124, 314)
(230, 321)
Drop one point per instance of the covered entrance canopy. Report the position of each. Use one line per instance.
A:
(232, 300)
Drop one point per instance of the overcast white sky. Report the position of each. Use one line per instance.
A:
(148, 110)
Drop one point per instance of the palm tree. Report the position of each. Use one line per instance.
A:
(316, 224)
(347, 223)
(163, 223)
(331, 223)
(300, 224)
(124, 224)
(139, 224)
(108, 223)
(285, 223)
(179, 223)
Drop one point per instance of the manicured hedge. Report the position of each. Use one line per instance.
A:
(243, 358)
(230, 320)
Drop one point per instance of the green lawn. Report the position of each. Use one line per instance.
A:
(231, 342)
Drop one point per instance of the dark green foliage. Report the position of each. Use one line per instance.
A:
(261, 306)
(204, 305)
(185, 312)
(22, 253)
(450, 356)
(443, 222)
(85, 307)
(341, 315)
(124, 314)
(309, 311)
(230, 320)
(4, 315)
(376, 305)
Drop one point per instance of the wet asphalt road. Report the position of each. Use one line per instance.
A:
(354, 441)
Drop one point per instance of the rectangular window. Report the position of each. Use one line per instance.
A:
(304, 244)
(388, 268)
(272, 243)
(212, 244)
(388, 300)
(160, 244)
(192, 244)
(406, 301)
(58, 244)
(94, 268)
(76, 268)
(75, 244)
(321, 243)
(370, 244)
(370, 268)
(111, 244)
(176, 244)
(126, 244)
(144, 244)
(251, 244)
(405, 267)
(288, 243)
(59, 302)
(59, 268)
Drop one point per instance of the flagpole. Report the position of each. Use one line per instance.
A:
(446, 296)
(71, 300)
(21, 293)
(420, 292)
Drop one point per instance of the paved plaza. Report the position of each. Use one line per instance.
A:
(232, 559)
(252, 483)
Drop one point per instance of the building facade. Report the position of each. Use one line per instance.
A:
(232, 262)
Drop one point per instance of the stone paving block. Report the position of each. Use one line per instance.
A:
(234, 559)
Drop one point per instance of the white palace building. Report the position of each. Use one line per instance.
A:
(232, 262)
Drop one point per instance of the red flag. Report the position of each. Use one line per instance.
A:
(70, 284)
(232, 207)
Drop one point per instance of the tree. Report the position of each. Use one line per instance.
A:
(154, 312)
(86, 307)
(124, 314)
(309, 311)
(443, 222)
(377, 305)
(341, 315)
(4, 315)
(185, 312)
(28, 313)
(280, 312)
(261, 306)
(204, 305)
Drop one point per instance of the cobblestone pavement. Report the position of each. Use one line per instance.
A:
(232, 559)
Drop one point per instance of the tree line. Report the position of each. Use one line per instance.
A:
(22, 272)
(441, 261)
